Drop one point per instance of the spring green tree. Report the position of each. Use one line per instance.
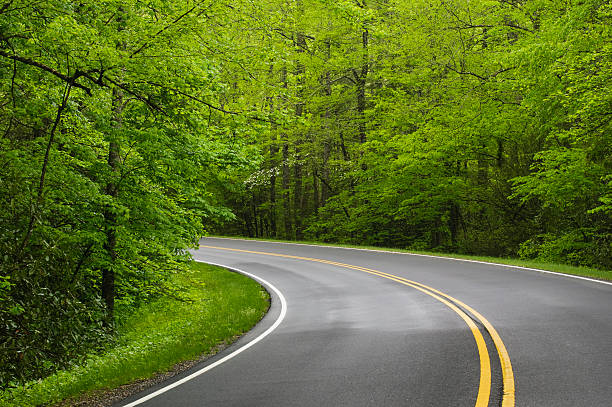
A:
(114, 136)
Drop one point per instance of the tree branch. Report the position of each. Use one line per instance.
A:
(43, 171)
(176, 20)
(482, 78)
(142, 98)
(68, 79)
(324, 181)
(197, 99)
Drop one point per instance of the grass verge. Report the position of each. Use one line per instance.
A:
(533, 264)
(215, 307)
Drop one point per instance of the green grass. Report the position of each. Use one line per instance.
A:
(159, 335)
(559, 268)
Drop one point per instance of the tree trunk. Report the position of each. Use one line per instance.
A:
(273, 151)
(285, 173)
(285, 185)
(272, 191)
(298, 196)
(315, 193)
(325, 190)
(110, 216)
(361, 86)
(361, 79)
(453, 222)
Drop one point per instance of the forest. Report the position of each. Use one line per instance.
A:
(129, 129)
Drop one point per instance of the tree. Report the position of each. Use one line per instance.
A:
(113, 141)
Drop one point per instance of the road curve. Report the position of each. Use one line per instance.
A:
(367, 328)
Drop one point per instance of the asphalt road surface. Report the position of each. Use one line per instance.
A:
(365, 328)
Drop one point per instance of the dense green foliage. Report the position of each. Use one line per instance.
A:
(472, 127)
(212, 308)
(129, 128)
(110, 149)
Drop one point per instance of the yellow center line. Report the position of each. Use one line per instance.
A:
(484, 388)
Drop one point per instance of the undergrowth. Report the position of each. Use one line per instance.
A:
(214, 307)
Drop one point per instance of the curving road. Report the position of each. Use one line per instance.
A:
(364, 328)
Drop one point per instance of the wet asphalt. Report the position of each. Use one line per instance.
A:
(350, 338)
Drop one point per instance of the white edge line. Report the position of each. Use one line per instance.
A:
(234, 353)
(426, 255)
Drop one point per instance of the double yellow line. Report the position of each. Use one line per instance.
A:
(484, 387)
